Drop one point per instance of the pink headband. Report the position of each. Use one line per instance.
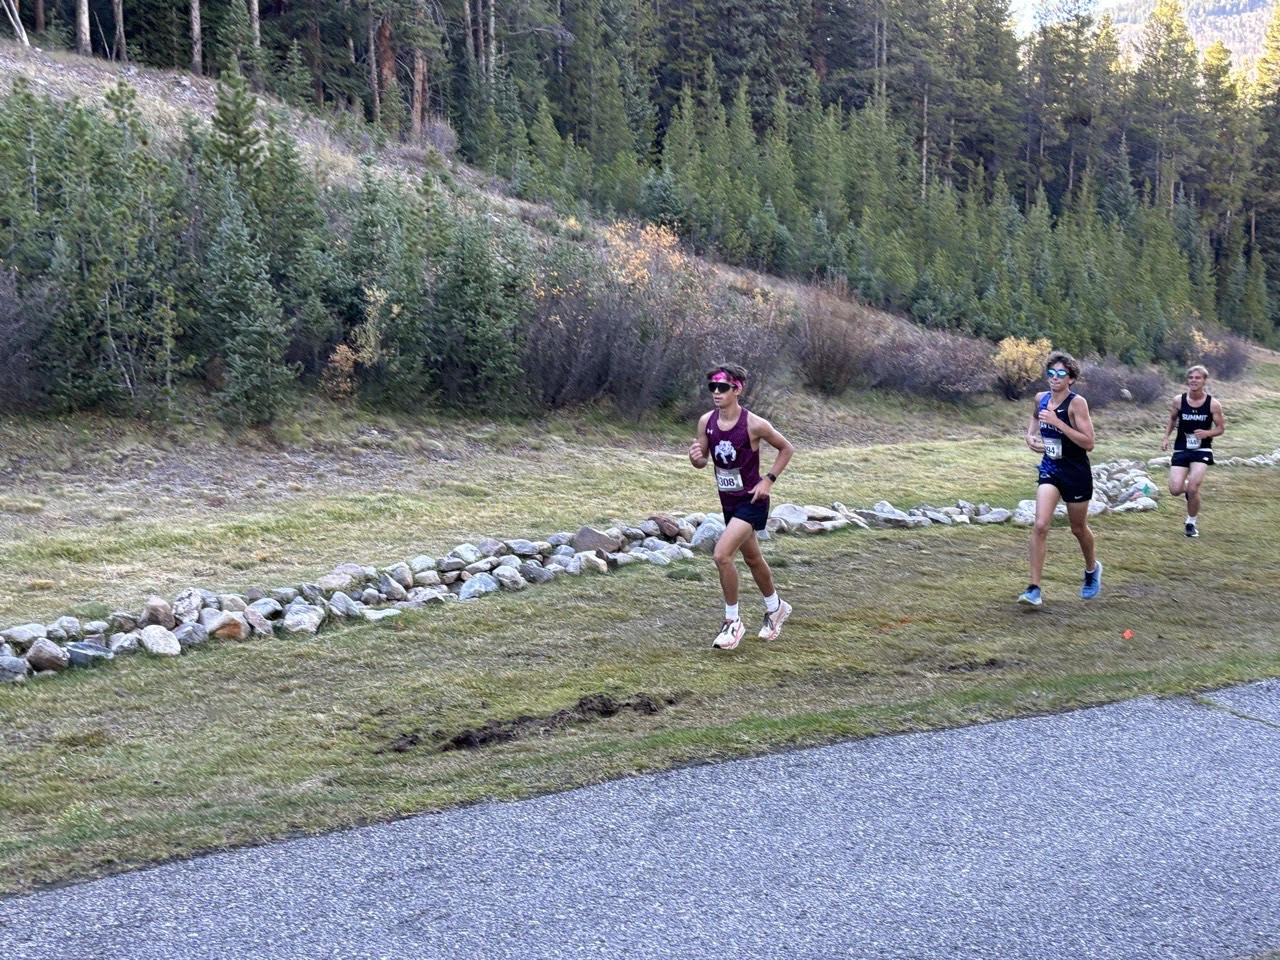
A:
(721, 377)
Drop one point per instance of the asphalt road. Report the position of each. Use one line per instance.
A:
(1143, 829)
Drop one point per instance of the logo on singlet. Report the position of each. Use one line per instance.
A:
(726, 452)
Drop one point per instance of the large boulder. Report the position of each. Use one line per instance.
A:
(44, 654)
(478, 586)
(589, 538)
(510, 578)
(401, 573)
(13, 669)
(302, 618)
(667, 526)
(261, 626)
(70, 627)
(994, 515)
(790, 514)
(536, 573)
(187, 604)
(267, 607)
(22, 637)
(159, 641)
(707, 535)
(85, 653)
(466, 552)
(191, 634)
(157, 612)
(490, 547)
(341, 605)
(373, 616)
(422, 563)
(391, 588)
(229, 625)
(332, 582)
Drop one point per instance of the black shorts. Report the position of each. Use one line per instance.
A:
(755, 514)
(1185, 458)
(1074, 489)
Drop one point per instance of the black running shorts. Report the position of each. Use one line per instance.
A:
(1074, 489)
(1185, 458)
(755, 514)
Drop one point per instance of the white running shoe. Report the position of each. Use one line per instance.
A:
(773, 621)
(730, 635)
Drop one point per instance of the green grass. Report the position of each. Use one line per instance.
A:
(231, 744)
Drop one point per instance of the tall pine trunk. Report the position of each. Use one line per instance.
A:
(255, 21)
(197, 43)
(120, 51)
(924, 145)
(84, 45)
(373, 66)
(420, 94)
(40, 21)
(493, 42)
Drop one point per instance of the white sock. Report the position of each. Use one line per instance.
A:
(1190, 518)
(771, 602)
(731, 611)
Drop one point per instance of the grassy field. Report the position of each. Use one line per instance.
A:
(602, 677)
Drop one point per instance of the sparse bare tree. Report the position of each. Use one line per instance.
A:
(117, 10)
(15, 21)
(84, 45)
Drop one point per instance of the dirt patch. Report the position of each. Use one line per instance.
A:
(594, 706)
(975, 666)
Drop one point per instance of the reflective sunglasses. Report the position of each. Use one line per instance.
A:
(719, 386)
(1056, 373)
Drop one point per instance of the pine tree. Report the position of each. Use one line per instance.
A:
(236, 141)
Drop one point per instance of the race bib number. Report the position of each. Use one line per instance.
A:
(1053, 448)
(728, 481)
(1193, 442)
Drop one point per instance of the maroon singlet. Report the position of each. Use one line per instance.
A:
(736, 464)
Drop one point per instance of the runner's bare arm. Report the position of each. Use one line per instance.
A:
(761, 429)
(699, 451)
(1173, 422)
(1033, 438)
(1219, 423)
(1080, 429)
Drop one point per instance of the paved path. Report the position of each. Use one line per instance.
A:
(1143, 829)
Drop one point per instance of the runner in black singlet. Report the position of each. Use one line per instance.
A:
(1197, 418)
(1062, 430)
(729, 437)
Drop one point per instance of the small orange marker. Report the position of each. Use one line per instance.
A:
(1128, 634)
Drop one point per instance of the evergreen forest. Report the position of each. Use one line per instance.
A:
(914, 154)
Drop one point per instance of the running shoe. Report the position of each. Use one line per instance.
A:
(1191, 529)
(1031, 596)
(1092, 585)
(773, 621)
(730, 635)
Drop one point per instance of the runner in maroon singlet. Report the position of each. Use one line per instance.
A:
(729, 438)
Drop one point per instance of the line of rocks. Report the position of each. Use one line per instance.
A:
(353, 592)
(1271, 459)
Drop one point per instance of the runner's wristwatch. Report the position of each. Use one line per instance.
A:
(772, 477)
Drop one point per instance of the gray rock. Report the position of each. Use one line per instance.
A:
(564, 550)
(510, 578)
(659, 559)
(427, 578)
(421, 595)
(254, 593)
(707, 535)
(1096, 507)
(655, 543)
(522, 548)
(839, 523)
(622, 559)
(536, 573)
(159, 641)
(451, 564)
(686, 532)
(122, 622)
(24, 636)
(6, 650)
(821, 514)
(267, 607)
(994, 515)
(483, 565)
(191, 634)
(187, 606)
(157, 612)
(44, 654)
(341, 605)
(967, 508)
(373, 616)
(489, 547)
(1141, 505)
(96, 626)
(301, 618)
(936, 516)
(650, 528)
(508, 561)
(261, 625)
(331, 582)
(422, 563)
(208, 616)
(776, 525)
(231, 602)
(13, 669)
(589, 538)
(229, 625)
(70, 626)
(592, 562)
(391, 588)
(56, 634)
(791, 514)
(466, 552)
(635, 533)
(83, 653)
(668, 528)
(121, 643)
(311, 593)
(370, 597)
(1024, 514)
(452, 577)
(283, 595)
(401, 574)
(559, 539)
(478, 586)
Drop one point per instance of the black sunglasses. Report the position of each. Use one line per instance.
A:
(719, 386)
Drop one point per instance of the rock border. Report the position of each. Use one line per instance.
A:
(355, 592)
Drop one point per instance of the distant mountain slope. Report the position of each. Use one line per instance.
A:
(1240, 24)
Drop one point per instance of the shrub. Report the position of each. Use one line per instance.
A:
(830, 351)
(1226, 358)
(1019, 363)
(1104, 382)
(943, 365)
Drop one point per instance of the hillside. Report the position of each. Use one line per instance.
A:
(1239, 24)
